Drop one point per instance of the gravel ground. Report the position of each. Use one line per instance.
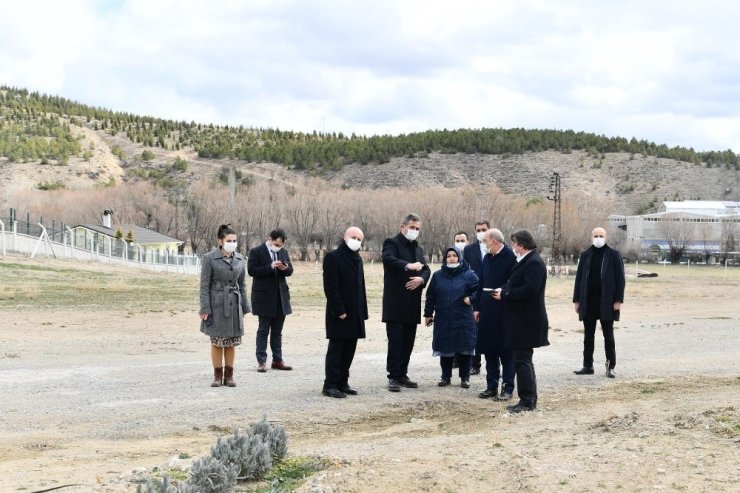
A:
(76, 384)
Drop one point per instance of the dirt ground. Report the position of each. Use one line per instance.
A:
(97, 394)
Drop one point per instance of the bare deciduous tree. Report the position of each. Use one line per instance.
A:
(678, 231)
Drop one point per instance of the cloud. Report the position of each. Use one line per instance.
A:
(663, 71)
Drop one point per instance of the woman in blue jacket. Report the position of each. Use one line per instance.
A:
(449, 305)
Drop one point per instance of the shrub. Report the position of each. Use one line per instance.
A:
(210, 475)
(241, 456)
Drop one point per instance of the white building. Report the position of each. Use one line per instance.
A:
(704, 226)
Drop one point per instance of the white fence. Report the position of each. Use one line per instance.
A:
(12, 241)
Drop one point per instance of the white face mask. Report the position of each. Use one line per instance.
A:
(411, 234)
(353, 244)
(480, 235)
(454, 266)
(460, 245)
(274, 248)
(229, 246)
(599, 242)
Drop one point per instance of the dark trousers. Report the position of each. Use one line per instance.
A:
(506, 371)
(476, 362)
(401, 339)
(589, 333)
(272, 326)
(339, 356)
(526, 380)
(464, 366)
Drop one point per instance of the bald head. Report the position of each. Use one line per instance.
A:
(598, 233)
(354, 233)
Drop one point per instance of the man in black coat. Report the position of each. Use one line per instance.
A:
(598, 294)
(474, 254)
(489, 313)
(346, 311)
(405, 275)
(525, 316)
(269, 265)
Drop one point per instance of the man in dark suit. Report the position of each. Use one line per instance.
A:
(346, 311)
(269, 265)
(489, 313)
(525, 316)
(406, 273)
(598, 294)
(473, 255)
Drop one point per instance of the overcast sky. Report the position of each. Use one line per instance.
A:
(665, 71)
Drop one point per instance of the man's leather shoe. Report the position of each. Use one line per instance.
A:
(336, 393)
(348, 390)
(278, 364)
(488, 394)
(444, 382)
(475, 371)
(465, 384)
(505, 396)
(393, 385)
(262, 368)
(512, 406)
(406, 382)
(610, 373)
(519, 408)
(584, 371)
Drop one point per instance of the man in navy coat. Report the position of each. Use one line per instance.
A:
(489, 313)
(598, 294)
(474, 254)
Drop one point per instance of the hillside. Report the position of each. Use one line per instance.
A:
(51, 143)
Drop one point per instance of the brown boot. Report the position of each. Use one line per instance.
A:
(229, 377)
(218, 376)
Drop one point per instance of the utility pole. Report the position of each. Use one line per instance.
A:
(557, 246)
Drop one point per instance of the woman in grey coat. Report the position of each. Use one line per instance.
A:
(223, 304)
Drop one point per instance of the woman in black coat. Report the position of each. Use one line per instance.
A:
(449, 301)
(346, 311)
(525, 317)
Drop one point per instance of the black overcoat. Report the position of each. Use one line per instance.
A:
(399, 304)
(344, 287)
(495, 273)
(612, 283)
(525, 317)
(222, 295)
(267, 281)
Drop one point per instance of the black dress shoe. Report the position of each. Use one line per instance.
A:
(393, 385)
(505, 396)
(406, 382)
(584, 371)
(465, 384)
(610, 373)
(348, 390)
(444, 382)
(520, 408)
(488, 394)
(512, 406)
(336, 393)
